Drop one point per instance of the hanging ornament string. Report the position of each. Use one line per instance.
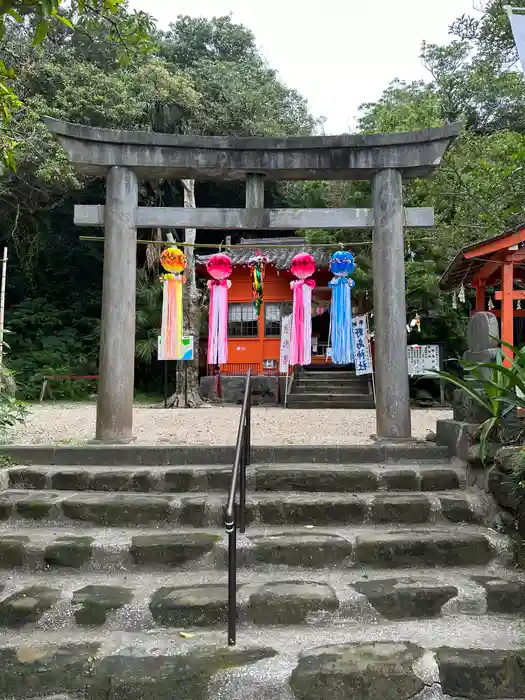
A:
(219, 267)
(342, 265)
(173, 261)
(257, 265)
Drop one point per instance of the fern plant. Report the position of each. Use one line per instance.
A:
(497, 388)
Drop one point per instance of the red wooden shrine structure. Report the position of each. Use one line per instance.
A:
(497, 264)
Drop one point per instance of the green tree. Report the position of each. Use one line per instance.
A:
(72, 78)
(480, 188)
(125, 30)
(244, 97)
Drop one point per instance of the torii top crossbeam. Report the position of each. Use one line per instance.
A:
(347, 157)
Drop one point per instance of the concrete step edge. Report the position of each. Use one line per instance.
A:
(173, 455)
(306, 477)
(445, 659)
(200, 510)
(130, 602)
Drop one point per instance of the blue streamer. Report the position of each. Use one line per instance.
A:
(341, 321)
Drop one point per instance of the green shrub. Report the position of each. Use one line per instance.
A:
(12, 412)
(498, 389)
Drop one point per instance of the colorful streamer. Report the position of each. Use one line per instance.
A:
(301, 340)
(218, 322)
(257, 265)
(302, 266)
(219, 266)
(342, 265)
(341, 340)
(174, 261)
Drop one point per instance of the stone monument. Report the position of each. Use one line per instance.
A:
(483, 346)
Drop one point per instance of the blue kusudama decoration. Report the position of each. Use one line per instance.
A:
(342, 264)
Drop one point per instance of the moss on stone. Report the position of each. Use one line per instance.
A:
(69, 551)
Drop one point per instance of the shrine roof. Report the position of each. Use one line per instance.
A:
(470, 259)
(279, 257)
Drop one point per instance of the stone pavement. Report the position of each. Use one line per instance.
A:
(74, 423)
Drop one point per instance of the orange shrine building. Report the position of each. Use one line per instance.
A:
(495, 268)
(254, 341)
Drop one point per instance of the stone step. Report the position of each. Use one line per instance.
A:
(300, 477)
(350, 479)
(145, 600)
(337, 393)
(272, 508)
(328, 374)
(70, 549)
(327, 382)
(322, 402)
(440, 661)
(330, 380)
(332, 390)
(178, 455)
(336, 397)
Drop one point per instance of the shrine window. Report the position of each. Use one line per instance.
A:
(272, 319)
(242, 321)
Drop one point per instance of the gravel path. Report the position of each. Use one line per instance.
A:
(74, 423)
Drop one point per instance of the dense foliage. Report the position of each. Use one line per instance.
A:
(126, 31)
(479, 190)
(202, 76)
(207, 76)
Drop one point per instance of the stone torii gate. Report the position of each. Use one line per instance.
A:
(125, 157)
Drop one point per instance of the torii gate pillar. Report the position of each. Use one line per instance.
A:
(117, 323)
(388, 264)
(124, 156)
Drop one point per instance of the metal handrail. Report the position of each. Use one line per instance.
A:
(290, 378)
(238, 482)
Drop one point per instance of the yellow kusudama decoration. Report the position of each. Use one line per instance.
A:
(173, 260)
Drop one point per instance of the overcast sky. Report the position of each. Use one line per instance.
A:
(337, 53)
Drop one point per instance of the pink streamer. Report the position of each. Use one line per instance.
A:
(218, 322)
(301, 340)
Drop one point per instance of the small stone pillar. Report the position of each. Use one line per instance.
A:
(117, 328)
(254, 200)
(388, 258)
(255, 191)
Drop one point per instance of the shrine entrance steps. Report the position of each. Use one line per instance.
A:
(358, 579)
(329, 388)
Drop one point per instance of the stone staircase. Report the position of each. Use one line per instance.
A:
(356, 580)
(329, 388)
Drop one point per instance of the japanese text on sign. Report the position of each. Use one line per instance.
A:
(361, 337)
(423, 359)
(286, 335)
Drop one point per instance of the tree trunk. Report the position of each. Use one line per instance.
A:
(191, 298)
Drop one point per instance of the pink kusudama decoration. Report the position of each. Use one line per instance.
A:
(219, 266)
(302, 265)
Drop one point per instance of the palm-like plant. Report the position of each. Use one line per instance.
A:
(499, 389)
(148, 316)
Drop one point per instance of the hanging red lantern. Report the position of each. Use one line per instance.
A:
(219, 266)
(302, 265)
